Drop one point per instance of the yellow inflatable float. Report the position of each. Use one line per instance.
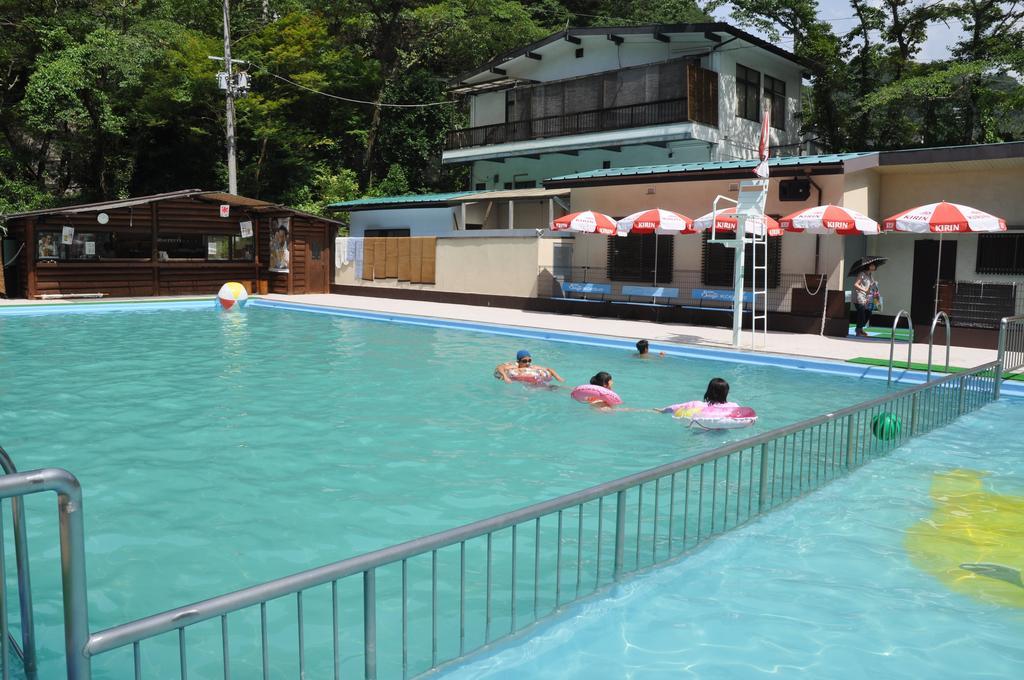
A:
(974, 540)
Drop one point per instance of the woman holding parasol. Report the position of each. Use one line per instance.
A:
(865, 289)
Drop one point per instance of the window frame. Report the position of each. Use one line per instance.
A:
(990, 244)
(720, 275)
(775, 93)
(745, 89)
(641, 270)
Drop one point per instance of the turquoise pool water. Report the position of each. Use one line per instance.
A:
(847, 583)
(219, 450)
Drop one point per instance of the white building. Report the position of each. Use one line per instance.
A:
(592, 98)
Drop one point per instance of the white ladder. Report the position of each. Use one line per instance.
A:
(753, 195)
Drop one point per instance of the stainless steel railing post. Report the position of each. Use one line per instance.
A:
(620, 532)
(762, 488)
(28, 634)
(370, 623)
(931, 341)
(892, 341)
(1001, 355)
(849, 440)
(72, 556)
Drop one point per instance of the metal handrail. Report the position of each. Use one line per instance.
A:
(1011, 342)
(27, 651)
(892, 341)
(846, 427)
(931, 341)
(72, 556)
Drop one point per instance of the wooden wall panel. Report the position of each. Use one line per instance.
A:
(415, 260)
(429, 259)
(404, 252)
(391, 271)
(380, 264)
(369, 245)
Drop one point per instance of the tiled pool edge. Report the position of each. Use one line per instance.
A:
(734, 356)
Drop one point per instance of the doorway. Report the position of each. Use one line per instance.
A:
(317, 266)
(926, 265)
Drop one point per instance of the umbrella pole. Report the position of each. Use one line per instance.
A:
(655, 258)
(938, 271)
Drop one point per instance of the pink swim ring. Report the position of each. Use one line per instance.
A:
(725, 416)
(588, 394)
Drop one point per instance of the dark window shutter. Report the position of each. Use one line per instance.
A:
(631, 258)
(718, 262)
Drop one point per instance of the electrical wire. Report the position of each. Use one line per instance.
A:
(349, 99)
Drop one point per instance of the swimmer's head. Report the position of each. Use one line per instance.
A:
(601, 379)
(642, 346)
(717, 392)
(523, 356)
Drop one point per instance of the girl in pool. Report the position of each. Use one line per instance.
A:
(717, 393)
(598, 393)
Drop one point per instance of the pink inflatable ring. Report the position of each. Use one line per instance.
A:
(588, 394)
(727, 416)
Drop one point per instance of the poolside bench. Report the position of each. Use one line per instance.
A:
(715, 295)
(599, 289)
(654, 293)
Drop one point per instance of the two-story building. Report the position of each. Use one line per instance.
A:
(593, 98)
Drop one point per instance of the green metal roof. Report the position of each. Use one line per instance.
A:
(383, 201)
(709, 166)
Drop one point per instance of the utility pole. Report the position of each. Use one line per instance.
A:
(229, 95)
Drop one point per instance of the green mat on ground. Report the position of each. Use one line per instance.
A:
(886, 333)
(936, 368)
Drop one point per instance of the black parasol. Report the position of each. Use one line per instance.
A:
(863, 263)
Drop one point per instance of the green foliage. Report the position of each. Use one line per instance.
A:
(105, 98)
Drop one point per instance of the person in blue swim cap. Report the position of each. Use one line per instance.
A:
(523, 361)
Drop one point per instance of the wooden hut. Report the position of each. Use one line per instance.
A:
(179, 243)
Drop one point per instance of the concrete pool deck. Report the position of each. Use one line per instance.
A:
(784, 344)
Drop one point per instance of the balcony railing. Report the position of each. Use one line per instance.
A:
(597, 120)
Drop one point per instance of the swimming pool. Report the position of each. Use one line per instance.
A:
(222, 450)
(857, 580)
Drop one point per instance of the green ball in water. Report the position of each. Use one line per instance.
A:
(886, 426)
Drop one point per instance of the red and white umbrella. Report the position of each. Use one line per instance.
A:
(829, 219)
(587, 222)
(726, 219)
(657, 220)
(944, 218)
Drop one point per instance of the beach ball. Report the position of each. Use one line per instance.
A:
(886, 426)
(232, 295)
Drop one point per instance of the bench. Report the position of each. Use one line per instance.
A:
(584, 289)
(715, 295)
(651, 292)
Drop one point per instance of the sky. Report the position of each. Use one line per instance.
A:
(839, 14)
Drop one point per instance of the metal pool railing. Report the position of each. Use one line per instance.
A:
(1011, 345)
(412, 607)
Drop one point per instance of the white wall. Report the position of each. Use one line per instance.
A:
(554, 165)
(419, 221)
(487, 109)
(739, 136)
(696, 198)
(475, 263)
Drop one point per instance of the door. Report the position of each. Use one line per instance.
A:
(926, 264)
(316, 267)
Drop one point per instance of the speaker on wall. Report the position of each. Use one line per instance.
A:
(798, 189)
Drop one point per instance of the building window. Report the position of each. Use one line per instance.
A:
(718, 263)
(182, 247)
(1000, 254)
(775, 93)
(748, 93)
(386, 233)
(93, 245)
(243, 248)
(528, 184)
(632, 258)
